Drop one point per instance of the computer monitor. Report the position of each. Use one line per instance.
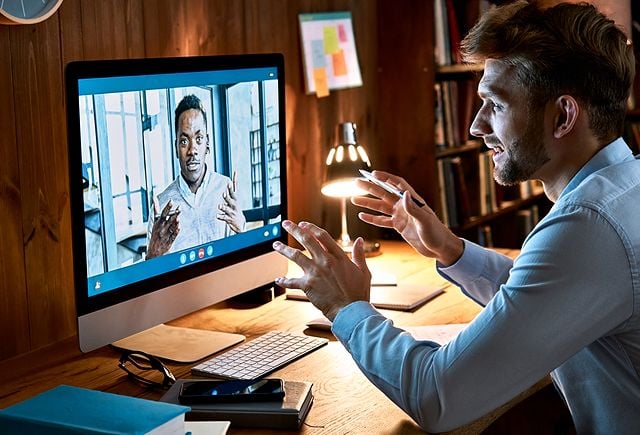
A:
(154, 147)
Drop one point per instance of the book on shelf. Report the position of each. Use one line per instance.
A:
(71, 410)
(449, 192)
(442, 194)
(455, 196)
(449, 97)
(454, 32)
(527, 219)
(438, 111)
(441, 51)
(454, 107)
(530, 188)
(485, 236)
(468, 104)
(462, 199)
(452, 20)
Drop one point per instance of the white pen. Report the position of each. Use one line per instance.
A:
(171, 213)
(388, 187)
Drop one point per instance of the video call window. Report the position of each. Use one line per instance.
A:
(129, 157)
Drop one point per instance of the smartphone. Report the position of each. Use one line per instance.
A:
(218, 391)
(388, 187)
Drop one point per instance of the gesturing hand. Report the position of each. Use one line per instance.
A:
(230, 212)
(331, 280)
(166, 228)
(419, 226)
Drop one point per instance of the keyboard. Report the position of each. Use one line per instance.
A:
(260, 356)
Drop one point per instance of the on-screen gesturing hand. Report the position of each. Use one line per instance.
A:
(331, 279)
(230, 212)
(166, 227)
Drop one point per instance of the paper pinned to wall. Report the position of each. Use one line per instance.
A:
(329, 52)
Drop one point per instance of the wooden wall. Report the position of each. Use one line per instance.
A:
(36, 286)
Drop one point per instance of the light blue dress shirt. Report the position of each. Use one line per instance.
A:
(569, 304)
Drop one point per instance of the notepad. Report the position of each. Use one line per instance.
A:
(401, 297)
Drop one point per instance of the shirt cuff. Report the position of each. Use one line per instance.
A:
(469, 266)
(349, 317)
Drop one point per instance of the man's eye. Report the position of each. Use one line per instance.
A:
(184, 142)
(199, 139)
(497, 107)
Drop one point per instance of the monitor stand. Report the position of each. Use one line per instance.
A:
(179, 344)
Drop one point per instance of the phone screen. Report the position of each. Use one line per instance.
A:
(208, 391)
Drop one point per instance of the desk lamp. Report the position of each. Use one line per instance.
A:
(343, 164)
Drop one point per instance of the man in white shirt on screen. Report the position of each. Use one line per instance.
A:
(200, 205)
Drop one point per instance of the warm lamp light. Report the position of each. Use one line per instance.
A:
(343, 164)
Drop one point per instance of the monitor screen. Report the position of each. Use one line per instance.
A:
(178, 186)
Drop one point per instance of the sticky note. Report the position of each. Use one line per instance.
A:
(321, 81)
(318, 58)
(339, 64)
(342, 33)
(330, 39)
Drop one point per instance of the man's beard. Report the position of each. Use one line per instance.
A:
(525, 155)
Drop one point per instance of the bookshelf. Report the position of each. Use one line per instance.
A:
(418, 142)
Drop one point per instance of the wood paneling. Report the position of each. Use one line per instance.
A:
(14, 330)
(35, 258)
(42, 152)
(406, 80)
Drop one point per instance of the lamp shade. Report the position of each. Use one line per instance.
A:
(343, 164)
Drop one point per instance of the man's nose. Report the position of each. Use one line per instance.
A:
(192, 148)
(479, 127)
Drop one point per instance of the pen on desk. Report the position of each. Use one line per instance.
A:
(389, 187)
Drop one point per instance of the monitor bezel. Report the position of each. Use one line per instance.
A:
(79, 70)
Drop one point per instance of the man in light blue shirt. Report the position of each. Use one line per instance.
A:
(554, 94)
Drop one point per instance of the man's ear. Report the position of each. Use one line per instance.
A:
(567, 110)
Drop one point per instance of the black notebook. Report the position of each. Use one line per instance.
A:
(286, 414)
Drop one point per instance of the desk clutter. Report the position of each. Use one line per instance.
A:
(72, 410)
(288, 413)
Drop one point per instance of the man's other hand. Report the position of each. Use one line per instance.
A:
(331, 279)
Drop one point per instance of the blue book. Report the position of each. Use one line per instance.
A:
(72, 410)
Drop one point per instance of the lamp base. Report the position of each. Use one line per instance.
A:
(371, 248)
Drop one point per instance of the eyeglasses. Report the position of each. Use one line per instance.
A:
(146, 369)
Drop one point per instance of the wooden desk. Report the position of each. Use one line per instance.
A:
(345, 401)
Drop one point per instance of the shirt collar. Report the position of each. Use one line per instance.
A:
(186, 192)
(616, 152)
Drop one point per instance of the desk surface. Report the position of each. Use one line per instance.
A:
(345, 401)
